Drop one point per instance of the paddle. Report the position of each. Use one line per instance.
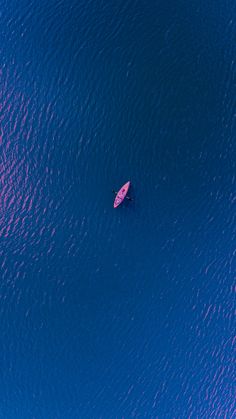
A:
(127, 197)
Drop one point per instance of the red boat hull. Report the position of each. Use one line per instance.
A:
(121, 194)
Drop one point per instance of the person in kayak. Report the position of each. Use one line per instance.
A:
(127, 197)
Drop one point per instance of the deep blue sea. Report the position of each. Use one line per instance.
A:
(126, 313)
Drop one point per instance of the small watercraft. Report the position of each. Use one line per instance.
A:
(121, 194)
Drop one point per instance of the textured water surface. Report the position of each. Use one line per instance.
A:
(125, 313)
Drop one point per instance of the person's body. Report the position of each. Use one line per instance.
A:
(127, 197)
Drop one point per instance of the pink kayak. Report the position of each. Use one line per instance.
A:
(121, 194)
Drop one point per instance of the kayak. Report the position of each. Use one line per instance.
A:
(121, 194)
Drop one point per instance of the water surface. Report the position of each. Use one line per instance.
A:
(126, 313)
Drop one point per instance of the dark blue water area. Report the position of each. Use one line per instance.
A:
(125, 313)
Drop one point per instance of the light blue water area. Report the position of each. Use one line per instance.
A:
(124, 313)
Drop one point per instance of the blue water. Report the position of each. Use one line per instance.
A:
(123, 313)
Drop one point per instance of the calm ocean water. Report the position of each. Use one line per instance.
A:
(123, 313)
